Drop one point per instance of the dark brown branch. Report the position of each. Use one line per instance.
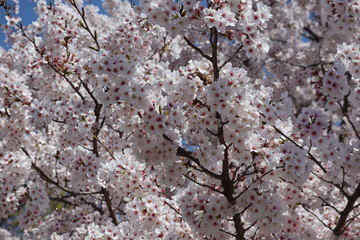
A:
(93, 205)
(242, 192)
(214, 36)
(275, 236)
(105, 147)
(238, 178)
(226, 182)
(240, 231)
(311, 34)
(328, 204)
(345, 213)
(97, 128)
(334, 184)
(197, 49)
(349, 120)
(230, 58)
(348, 222)
(163, 47)
(59, 121)
(183, 153)
(119, 205)
(343, 177)
(231, 234)
(288, 138)
(312, 213)
(245, 208)
(47, 179)
(63, 75)
(97, 112)
(251, 225)
(108, 205)
(70, 193)
(309, 155)
(85, 25)
(26, 152)
(202, 184)
(173, 208)
(357, 205)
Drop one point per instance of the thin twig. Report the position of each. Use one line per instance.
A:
(334, 184)
(173, 208)
(306, 209)
(214, 36)
(107, 198)
(85, 25)
(230, 58)
(309, 155)
(197, 49)
(327, 204)
(202, 184)
(349, 120)
(231, 234)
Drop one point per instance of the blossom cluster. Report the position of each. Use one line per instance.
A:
(232, 119)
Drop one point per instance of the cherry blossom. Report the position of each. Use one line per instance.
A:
(184, 119)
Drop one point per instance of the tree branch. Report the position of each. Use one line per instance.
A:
(349, 120)
(312, 213)
(338, 230)
(108, 205)
(309, 155)
(197, 49)
(230, 58)
(85, 25)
